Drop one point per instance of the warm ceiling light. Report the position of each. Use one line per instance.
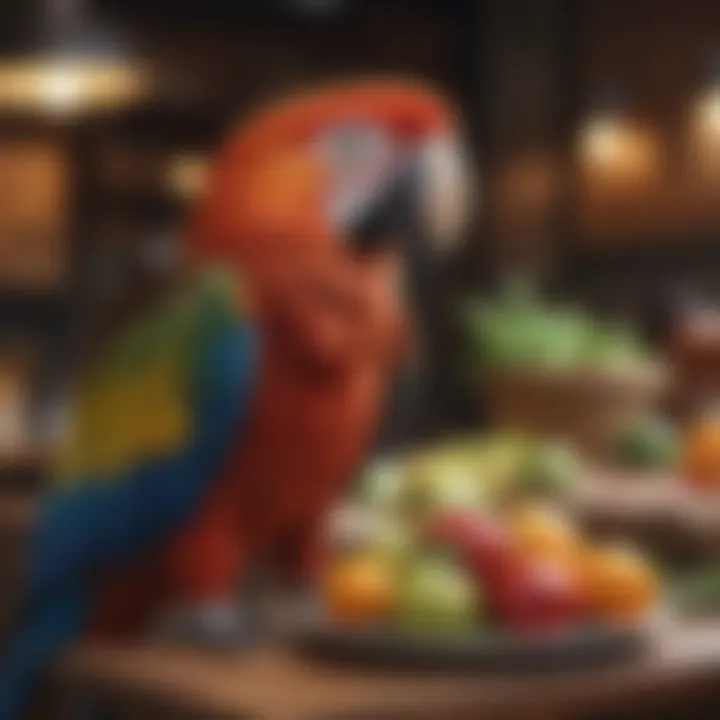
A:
(707, 112)
(614, 147)
(61, 86)
(77, 66)
(61, 90)
(603, 141)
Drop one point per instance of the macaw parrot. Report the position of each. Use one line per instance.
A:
(219, 423)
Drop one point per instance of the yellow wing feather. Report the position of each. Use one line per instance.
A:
(135, 404)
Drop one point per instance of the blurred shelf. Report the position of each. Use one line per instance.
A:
(23, 470)
(144, 201)
(22, 460)
(650, 252)
(221, 15)
(172, 125)
(172, 177)
(21, 457)
(31, 312)
(17, 517)
(657, 511)
(17, 512)
(31, 297)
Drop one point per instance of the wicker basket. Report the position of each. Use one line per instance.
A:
(587, 406)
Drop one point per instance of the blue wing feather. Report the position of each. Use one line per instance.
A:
(89, 529)
(99, 523)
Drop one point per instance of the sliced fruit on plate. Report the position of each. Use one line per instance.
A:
(437, 485)
(541, 532)
(618, 583)
(536, 595)
(360, 589)
(481, 543)
(382, 484)
(438, 596)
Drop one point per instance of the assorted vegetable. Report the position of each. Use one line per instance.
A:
(518, 329)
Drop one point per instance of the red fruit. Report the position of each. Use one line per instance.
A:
(536, 596)
(482, 544)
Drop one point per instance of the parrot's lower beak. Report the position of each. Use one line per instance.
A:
(424, 206)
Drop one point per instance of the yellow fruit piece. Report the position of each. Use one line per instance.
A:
(539, 532)
(360, 589)
(618, 584)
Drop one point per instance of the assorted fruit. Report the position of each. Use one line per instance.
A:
(470, 472)
(467, 537)
(432, 546)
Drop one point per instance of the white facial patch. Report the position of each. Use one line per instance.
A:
(447, 191)
(360, 158)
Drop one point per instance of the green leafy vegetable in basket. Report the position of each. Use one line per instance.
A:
(519, 329)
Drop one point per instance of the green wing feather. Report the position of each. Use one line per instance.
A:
(133, 404)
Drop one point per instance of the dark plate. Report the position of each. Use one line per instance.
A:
(583, 648)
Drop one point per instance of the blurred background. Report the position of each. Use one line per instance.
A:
(596, 127)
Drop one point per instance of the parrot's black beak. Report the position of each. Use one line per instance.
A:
(391, 216)
(422, 208)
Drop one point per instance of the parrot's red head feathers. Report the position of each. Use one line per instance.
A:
(306, 169)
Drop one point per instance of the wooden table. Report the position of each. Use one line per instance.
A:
(274, 684)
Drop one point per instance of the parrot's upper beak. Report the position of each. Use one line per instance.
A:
(390, 215)
(425, 202)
